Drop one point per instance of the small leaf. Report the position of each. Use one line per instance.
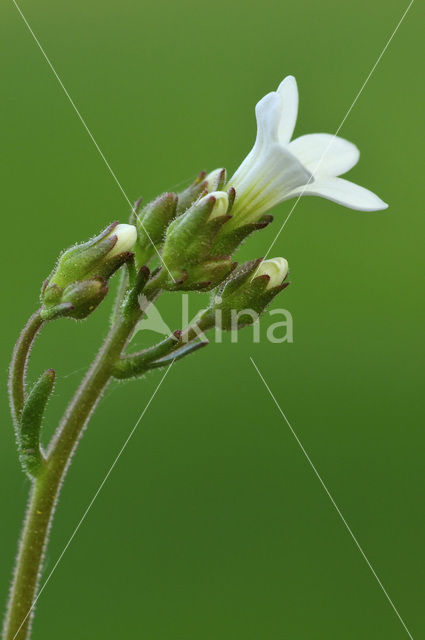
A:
(30, 426)
(182, 352)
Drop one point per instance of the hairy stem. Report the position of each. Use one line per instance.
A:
(19, 363)
(46, 486)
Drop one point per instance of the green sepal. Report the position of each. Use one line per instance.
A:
(51, 293)
(111, 265)
(187, 197)
(151, 223)
(183, 232)
(205, 236)
(239, 277)
(243, 291)
(78, 262)
(204, 276)
(77, 300)
(229, 239)
(136, 364)
(85, 296)
(187, 249)
(30, 454)
(61, 310)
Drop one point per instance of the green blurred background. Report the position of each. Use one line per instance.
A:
(213, 525)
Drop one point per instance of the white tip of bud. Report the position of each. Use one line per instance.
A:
(215, 179)
(276, 269)
(126, 238)
(221, 204)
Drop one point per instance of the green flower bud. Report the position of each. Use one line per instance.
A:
(246, 294)
(151, 223)
(77, 300)
(78, 282)
(100, 256)
(188, 242)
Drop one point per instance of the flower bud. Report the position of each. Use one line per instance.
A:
(100, 256)
(215, 180)
(126, 235)
(188, 242)
(221, 204)
(275, 269)
(77, 300)
(245, 295)
(84, 297)
(151, 223)
(78, 283)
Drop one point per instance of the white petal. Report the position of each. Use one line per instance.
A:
(266, 180)
(126, 239)
(275, 268)
(214, 178)
(221, 203)
(343, 192)
(268, 112)
(324, 154)
(288, 93)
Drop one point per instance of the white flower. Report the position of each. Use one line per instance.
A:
(276, 269)
(126, 239)
(221, 203)
(277, 169)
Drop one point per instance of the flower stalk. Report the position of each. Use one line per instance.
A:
(46, 486)
(19, 363)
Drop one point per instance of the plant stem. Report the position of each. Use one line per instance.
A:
(46, 486)
(18, 365)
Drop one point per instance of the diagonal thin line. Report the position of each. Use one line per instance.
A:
(111, 468)
(92, 138)
(332, 501)
(340, 126)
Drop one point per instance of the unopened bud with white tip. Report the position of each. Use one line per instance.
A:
(188, 242)
(245, 294)
(276, 269)
(215, 180)
(78, 283)
(221, 204)
(126, 239)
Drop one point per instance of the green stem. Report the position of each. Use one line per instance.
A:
(19, 363)
(201, 323)
(122, 287)
(46, 486)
